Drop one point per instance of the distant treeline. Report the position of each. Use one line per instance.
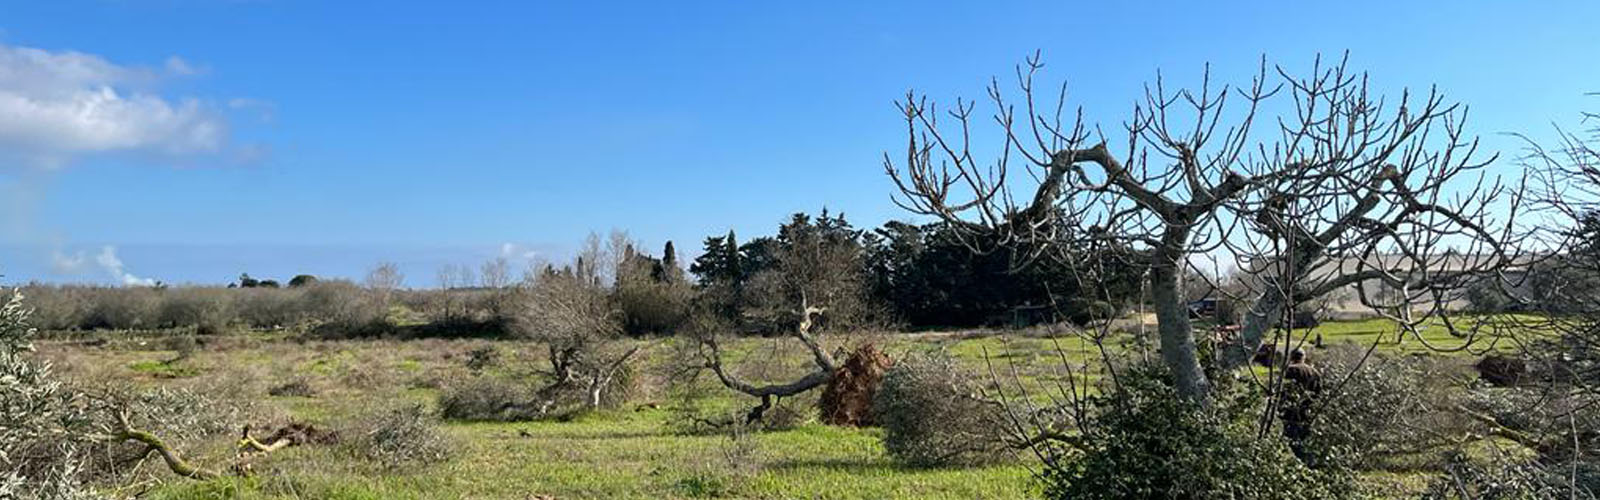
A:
(899, 274)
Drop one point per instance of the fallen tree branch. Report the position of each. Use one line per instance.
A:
(250, 444)
(153, 444)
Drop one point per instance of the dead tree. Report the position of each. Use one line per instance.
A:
(1311, 184)
(711, 353)
(817, 279)
(570, 312)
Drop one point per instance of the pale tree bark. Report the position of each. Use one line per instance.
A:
(1341, 190)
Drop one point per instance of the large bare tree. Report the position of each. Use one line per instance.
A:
(1311, 183)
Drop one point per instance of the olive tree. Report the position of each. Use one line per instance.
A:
(570, 311)
(817, 279)
(1312, 183)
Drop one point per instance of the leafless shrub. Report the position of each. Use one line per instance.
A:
(122, 309)
(932, 414)
(487, 398)
(401, 437)
(268, 307)
(299, 387)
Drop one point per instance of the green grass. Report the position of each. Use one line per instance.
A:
(1473, 334)
(621, 453)
(163, 369)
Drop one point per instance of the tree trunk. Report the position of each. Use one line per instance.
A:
(1177, 335)
(1258, 320)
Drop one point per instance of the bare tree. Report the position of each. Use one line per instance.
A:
(495, 273)
(577, 324)
(1555, 375)
(817, 276)
(445, 277)
(1311, 183)
(1567, 285)
(383, 280)
(570, 311)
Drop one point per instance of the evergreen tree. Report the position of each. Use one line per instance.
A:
(730, 257)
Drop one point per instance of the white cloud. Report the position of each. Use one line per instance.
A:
(67, 264)
(108, 261)
(56, 105)
(512, 250)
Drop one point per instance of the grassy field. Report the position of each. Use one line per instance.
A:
(640, 450)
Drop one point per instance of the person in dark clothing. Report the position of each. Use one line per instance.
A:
(1303, 383)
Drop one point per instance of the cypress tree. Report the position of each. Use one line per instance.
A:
(730, 258)
(669, 256)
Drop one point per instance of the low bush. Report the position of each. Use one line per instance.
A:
(299, 387)
(1144, 441)
(487, 398)
(932, 416)
(1380, 406)
(401, 437)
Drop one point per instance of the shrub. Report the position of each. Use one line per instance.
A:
(37, 418)
(340, 306)
(1144, 441)
(646, 306)
(120, 309)
(268, 307)
(487, 398)
(482, 357)
(298, 388)
(1083, 312)
(400, 437)
(1383, 406)
(931, 415)
(57, 307)
(300, 280)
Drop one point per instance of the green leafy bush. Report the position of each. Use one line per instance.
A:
(1144, 441)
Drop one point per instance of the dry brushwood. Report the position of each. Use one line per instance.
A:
(847, 400)
(294, 434)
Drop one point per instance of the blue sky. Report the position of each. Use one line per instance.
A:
(278, 137)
